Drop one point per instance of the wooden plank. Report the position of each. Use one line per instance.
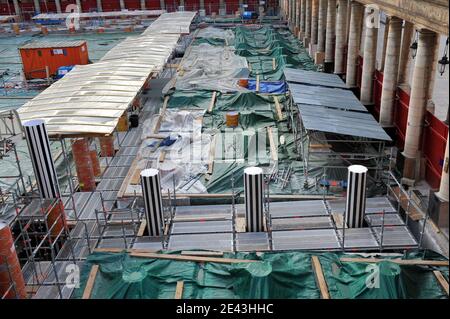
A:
(441, 280)
(339, 220)
(213, 101)
(410, 262)
(273, 149)
(179, 290)
(278, 108)
(142, 227)
(320, 277)
(162, 156)
(212, 154)
(90, 282)
(162, 113)
(191, 258)
(202, 253)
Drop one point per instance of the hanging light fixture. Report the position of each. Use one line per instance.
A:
(414, 46)
(444, 61)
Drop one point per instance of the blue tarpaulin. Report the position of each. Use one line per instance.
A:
(277, 87)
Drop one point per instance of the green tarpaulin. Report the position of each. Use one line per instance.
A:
(275, 275)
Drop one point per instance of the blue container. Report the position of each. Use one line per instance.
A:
(248, 15)
(63, 70)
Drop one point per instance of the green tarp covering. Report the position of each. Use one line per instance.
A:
(264, 46)
(275, 275)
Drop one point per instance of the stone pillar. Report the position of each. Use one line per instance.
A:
(341, 37)
(418, 100)
(369, 59)
(122, 5)
(143, 5)
(84, 165)
(354, 40)
(302, 19)
(99, 6)
(202, 5)
(162, 4)
(403, 74)
(330, 36)
(314, 21)
(443, 188)
(385, 39)
(307, 36)
(17, 8)
(58, 6)
(321, 29)
(390, 71)
(37, 6)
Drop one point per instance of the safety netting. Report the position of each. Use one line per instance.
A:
(288, 275)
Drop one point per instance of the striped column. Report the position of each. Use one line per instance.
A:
(253, 195)
(151, 192)
(355, 206)
(41, 158)
(330, 38)
(12, 284)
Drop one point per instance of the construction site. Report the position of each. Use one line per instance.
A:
(215, 149)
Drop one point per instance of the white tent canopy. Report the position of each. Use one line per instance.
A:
(91, 98)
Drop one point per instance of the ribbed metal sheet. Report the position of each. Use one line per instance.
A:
(390, 219)
(110, 184)
(297, 209)
(116, 171)
(147, 243)
(128, 151)
(301, 223)
(52, 292)
(199, 212)
(91, 98)
(76, 248)
(373, 205)
(90, 15)
(323, 119)
(305, 239)
(213, 226)
(252, 241)
(56, 44)
(396, 236)
(219, 242)
(329, 97)
(314, 78)
(122, 161)
(359, 238)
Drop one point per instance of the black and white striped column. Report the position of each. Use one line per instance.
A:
(356, 196)
(41, 158)
(151, 191)
(253, 191)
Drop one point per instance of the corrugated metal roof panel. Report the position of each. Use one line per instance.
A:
(56, 44)
(314, 78)
(323, 96)
(319, 118)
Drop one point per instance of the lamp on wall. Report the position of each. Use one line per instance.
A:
(414, 46)
(443, 62)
